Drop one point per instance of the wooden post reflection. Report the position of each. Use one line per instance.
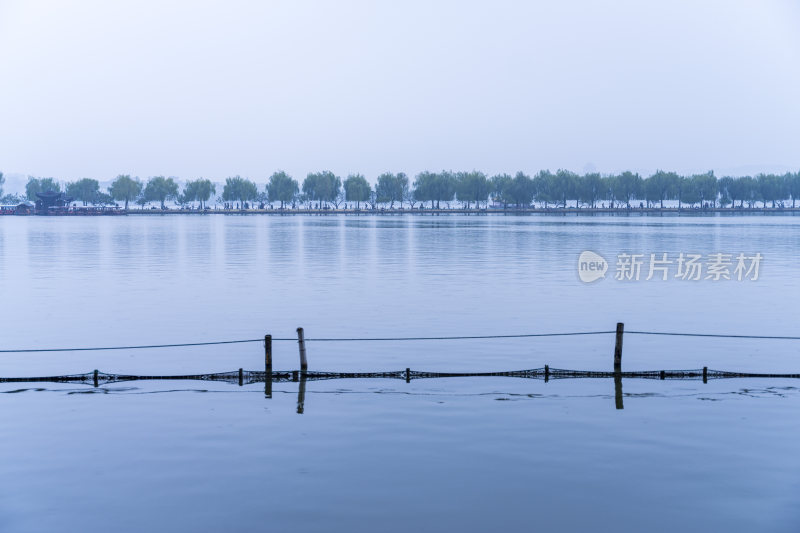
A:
(618, 390)
(268, 383)
(268, 366)
(301, 394)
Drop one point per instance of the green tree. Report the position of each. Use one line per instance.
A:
(566, 186)
(792, 185)
(282, 188)
(738, 189)
(199, 190)
(331, 187)
(36, 185)
(545, 188)
(408, 194)
(188, 195)
(500, 188)
(401, 187)
(689, 191)
(356, 189)
(522, 190)
(102, 198)
(424, 184)
(750, 191)
(651, 191)
(185, 198)
(160, 189)
(125, 189)
(322, 187)
(84, 190)
(726, 184)
(311, 188)
(445, 187)
(770, 188)
(391, 188)
(591, 188)
(12, 199)
(609, 184)
(661, 186)
(707, 187)
(627, 186)
(385, 189)
(239, 189)
(472, 187)
(435, 187)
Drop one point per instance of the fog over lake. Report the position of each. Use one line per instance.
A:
(488, 205)
(476, 452)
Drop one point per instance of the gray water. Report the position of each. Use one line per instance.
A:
(470, 454)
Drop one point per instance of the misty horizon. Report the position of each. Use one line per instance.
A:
(15, 183)
(189, 90)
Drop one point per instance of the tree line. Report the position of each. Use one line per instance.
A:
(549, 189)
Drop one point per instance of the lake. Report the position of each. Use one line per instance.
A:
(469, 454)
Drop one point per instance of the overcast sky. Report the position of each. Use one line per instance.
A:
(213, 89)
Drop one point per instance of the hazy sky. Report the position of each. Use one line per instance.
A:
(98, 88)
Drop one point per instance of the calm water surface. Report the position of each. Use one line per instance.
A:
(471, 454)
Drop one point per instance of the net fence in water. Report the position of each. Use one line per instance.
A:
(244, 377)
(250, 376)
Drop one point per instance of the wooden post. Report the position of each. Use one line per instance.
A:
(96, 377)
(546, 373)
(618, 348)
(268, 353)
(408, 375)
(705, 374)
(618, 390)
(241, 377)
(301, 341)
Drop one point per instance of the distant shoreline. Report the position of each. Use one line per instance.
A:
(490, 211)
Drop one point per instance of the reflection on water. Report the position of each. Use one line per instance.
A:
(301, 395)
(463, 454)
(201, 456)
(165, 279)
(363, 387)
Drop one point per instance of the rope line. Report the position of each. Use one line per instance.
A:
(396, 339)
(274, 339)
(141, 347)
(458, 337)
(713, 335)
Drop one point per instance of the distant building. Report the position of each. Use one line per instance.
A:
(51, 202)
(23, 208)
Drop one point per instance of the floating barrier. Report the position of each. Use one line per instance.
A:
(268, 376)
